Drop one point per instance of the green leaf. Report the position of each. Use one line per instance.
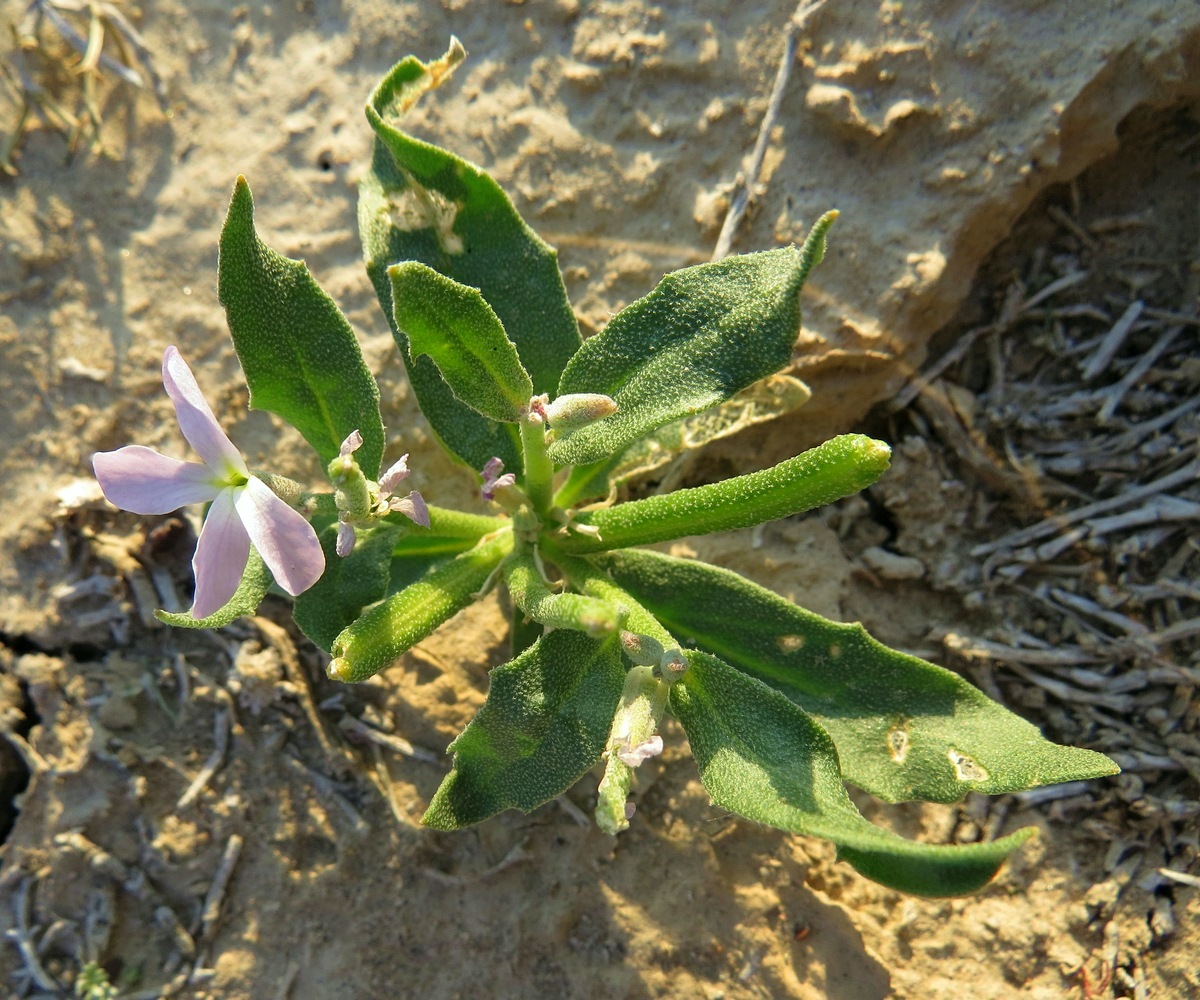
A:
(419, 202)
(299, 354)
(904, 728)
(703, 335)
(767, 399)
(458, 330)
(389, 629)
(256, 581)
(835, 469)
(543, 726)
(761, 757)
(348, 584)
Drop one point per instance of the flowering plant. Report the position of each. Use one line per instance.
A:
(781, 708)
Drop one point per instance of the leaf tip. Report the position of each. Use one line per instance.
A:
(813, 250)
(241, 193)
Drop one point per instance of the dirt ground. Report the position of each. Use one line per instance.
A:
(205, 815)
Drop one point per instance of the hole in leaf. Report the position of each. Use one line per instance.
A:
(965, 767)
(422, 208)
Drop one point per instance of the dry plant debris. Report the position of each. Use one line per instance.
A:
(63, 90)
(1076, 408)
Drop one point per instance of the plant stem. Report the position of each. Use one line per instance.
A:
(539, 470)
(530, 593)
(455, 523)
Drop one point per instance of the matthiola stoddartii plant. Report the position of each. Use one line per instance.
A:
(781, 708)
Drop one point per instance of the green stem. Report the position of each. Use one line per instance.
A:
(836, 469)
(530, 594)
(442, 521)
(454, 523)
(581, 483)
(539, 469)
(596, 583)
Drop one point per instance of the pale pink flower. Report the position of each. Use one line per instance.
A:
(243, 510)
(493, 481)
(635, 756)
(411, 506)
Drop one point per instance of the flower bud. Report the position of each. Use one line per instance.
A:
(352, 493)
(578, 409)
(641, 649)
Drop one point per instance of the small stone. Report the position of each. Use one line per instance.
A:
(891, 566)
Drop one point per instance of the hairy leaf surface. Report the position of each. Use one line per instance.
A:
(422, 203)
(300, 356)
(761, 757)
(348, 584)
(704, 334)
(256, 581)
(904, 728)
(543, 726)
(454, 326)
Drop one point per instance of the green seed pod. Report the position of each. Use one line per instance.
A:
(836, 469)
(389, 629)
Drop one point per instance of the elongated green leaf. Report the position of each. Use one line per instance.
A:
(761, 757)
(300, 356)
(348, 584)
(835, 469)
(543, 726)
(422, 203)
(767, 399)
(454, 326)
(704, 334)
(384, 632)
(904, 728)
(256, 581)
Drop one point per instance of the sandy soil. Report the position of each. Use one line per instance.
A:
(198, 812)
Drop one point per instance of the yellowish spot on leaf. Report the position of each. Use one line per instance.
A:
(897, 741)
(835, 651)
(790, 643)
(966, 768)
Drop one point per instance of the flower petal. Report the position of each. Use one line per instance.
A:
(345, 538)
(490, 489)
(196, 419)
(143, 481)
(221, 554)
(413, 507)
(635, 756)
(395, 475)
(286, 541)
